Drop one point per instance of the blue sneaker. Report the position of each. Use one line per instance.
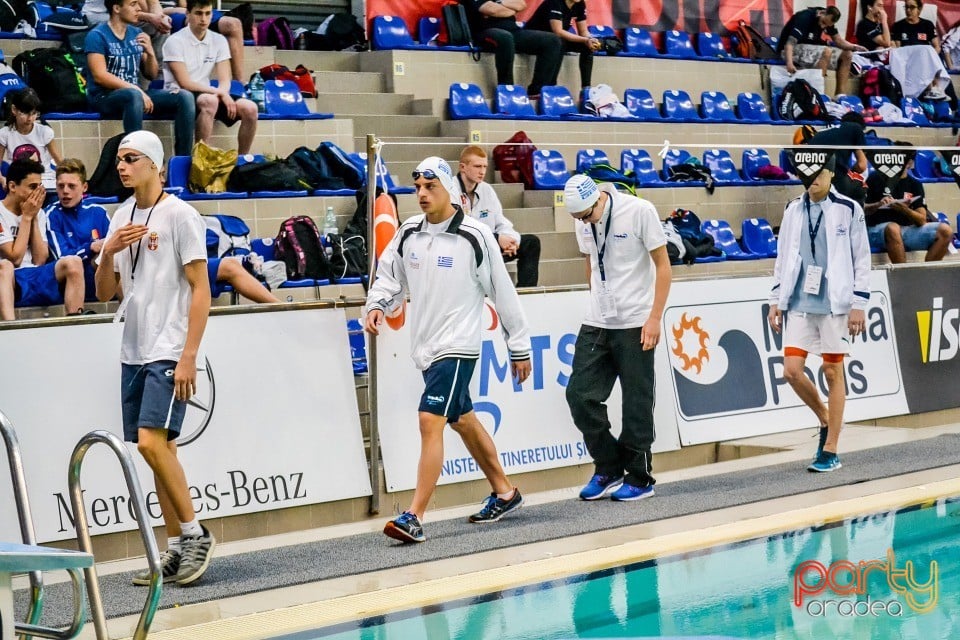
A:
(600, 487)
(629, 492)
(823, 441)
(406, 528)
(825, 462)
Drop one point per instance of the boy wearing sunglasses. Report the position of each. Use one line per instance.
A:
(448, 262)
(156, 248)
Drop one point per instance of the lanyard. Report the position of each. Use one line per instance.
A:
(811, 229)
(601, 249)
(136, 258)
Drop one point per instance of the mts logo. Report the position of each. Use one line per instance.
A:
(939, 332)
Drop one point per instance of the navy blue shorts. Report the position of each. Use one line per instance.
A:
(447, 390)
(147, 396)
(216, 288)
(37, 286)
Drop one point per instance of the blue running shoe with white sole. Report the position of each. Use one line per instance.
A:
(406, 528)
(629, 492)
(825, 462)
(600, 486)
(822, 441)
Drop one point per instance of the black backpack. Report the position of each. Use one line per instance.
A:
(270, 175)
(105, 180)
(11, 13)
(54, 76)
(800, 101)
(349, 257)
(315, 167)
(458, 28)
(298, 246)
(340, 165)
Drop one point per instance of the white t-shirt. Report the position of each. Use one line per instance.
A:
(157, 294)
(10, 228)
(635, 230)
(33, 144)
(199, 56)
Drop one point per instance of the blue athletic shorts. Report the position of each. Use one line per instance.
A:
(914, 238)
(147, 396)
(37, 286)
(447, 388)
(213, 265)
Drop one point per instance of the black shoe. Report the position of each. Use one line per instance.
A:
(495, 508)
(406, 528)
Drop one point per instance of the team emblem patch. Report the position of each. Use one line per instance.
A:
(153, 241)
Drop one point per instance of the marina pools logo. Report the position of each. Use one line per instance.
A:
(844, 588)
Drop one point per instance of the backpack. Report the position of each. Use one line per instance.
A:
(274, 32)
(316, 169)
(230, 236)
(751, 44)
(349, 256)
(341, 167)
(338, 32)
(514, 159)
(298, 246)
(11, 13)
(105, 180)
(54, 76)
(879, 82)
(800, 101)
(271, 175)
(691, 170)
(302, 76)
(605, 173)
(457, 29)
(695, 242)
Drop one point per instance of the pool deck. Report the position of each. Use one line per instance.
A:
(292, 608)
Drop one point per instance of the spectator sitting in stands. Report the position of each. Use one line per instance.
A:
(872, 30)
(914, 31)
(554, 16)
(230, 28)
(898, 220)
(24, 137)
(481, 202)
(23, 242)
(802, 44)
(193, 56)
(73, 227)
(849, 133)
(495, 24)
(151, 20)
(117, 51)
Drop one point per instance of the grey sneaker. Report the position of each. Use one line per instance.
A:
(169, 565)
(195, 554)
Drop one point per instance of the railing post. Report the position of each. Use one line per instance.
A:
(372, 162)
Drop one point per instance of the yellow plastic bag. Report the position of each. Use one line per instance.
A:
(210, 167)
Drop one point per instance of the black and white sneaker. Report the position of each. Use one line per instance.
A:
(169, 565)
(195, 555)
(406, 528)
(495, 508)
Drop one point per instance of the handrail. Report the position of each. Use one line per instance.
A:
(143, 521)
(23, 513)
(373, 155)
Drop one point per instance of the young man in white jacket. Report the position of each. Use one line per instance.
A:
(821, 280)
(448, 262)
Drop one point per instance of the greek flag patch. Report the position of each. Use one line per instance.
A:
(445, 261)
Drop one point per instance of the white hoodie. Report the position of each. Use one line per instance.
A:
(448, 275)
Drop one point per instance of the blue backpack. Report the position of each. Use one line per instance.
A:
(226, 236)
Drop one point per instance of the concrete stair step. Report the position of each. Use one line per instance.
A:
(394, 126)
(320, 60)
(558, 245)
(536, 198)
(348, 82)
(559, 272)
(412, 149)
(531, 219)
(366, 103)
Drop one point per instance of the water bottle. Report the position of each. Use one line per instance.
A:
(329, 227)
(256, 89)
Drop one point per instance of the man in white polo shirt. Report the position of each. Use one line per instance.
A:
(191, 58)
(629, 275)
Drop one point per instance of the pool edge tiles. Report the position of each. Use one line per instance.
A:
(301, 617)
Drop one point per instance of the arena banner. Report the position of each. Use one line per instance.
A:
(693, 16)
(726, 364)
(927, 315)
(274, 424)
(530, 424)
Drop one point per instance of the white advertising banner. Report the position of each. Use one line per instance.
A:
(531, 424)
(726, 364)
(275, 422)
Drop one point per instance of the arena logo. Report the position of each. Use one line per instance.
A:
(844, 578)
(808, 164)
(953, 159)
(890, 164)
(936, 326)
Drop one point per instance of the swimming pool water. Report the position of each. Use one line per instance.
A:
(742, 590)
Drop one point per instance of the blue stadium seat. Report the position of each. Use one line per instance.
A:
(678, 45)
(247, 158)
(358, 347)
(556, 102)
(601, 31)
(178, 175)
(678, 106)
(640, 103)
(672, 158)
(914, 112)
(467, 101)
(715, 106)
(512, 100)
(264, 247)
(384, 179)
(549, 170)
(758, 237)
(752, 108)
(428, 29)
(177, 21)
(721, 166)
(586, 158)
(639, 43)
(924, 167)
(282, 100)
(751, 162)
(710, 46)
(638, 162)
(390, 32)
(878, 101)
(724, 240)
(852, 103)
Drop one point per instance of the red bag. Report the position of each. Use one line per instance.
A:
(514, 159)
(302, 76)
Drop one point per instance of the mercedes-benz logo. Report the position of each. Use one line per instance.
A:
(199, 407)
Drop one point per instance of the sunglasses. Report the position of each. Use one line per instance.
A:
(587, 213)
(428, 174)
(130, 158)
